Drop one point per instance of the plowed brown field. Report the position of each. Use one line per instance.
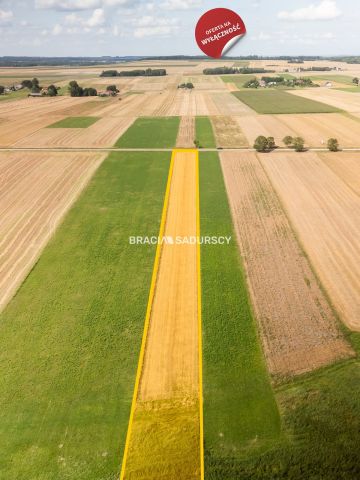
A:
(35, 192)
(186, 135)
(326, 215)
(166, 422)
(298, 328)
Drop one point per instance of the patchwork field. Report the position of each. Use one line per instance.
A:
(280, 101)
(36, 190)
(240, 410)
(67, 380)
(141, 362)
(316, 129)
(326, 216)
(164, 433)
(299, 330)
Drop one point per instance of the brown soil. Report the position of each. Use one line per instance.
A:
(298, 328)
(326, 215)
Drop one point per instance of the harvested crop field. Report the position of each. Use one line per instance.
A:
(280, 101)
(75, 122)
(346, 166)
(164, 433)
(36, 190)
(299, 330)
(104, 133)
(316, 129)
(227, 132)
(326, 215)
(186, 134)
(347, 101)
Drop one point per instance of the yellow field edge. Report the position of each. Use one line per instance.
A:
(198, 262)
(147, 316)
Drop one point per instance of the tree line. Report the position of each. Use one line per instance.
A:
(234, 70)
(267, 144)
(149, 72)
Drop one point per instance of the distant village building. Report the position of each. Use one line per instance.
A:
(328, 84)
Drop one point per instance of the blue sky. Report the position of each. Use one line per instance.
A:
(166, 27)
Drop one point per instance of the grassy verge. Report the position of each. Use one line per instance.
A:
(151, 132)
(75, 122)
(279, 101)
(70, 339)
(204, 132)
(14, 96)
(240, 412)
(349, 89)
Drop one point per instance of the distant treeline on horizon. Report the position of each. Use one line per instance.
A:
(21, 61)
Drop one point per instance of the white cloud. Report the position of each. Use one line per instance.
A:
(6, 16)
(325, 10)
(57, 29)
(68, 4)
(261, 36)
(180, 4)
(97, 18)
(149, 26)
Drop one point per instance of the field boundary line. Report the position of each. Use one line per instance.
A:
(147, 316)
(199, 292)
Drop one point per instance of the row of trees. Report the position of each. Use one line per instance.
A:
(267, 144)
(234, 70)
(149, 72)
(35, 87)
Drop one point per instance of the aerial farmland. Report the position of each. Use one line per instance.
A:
(176, 302)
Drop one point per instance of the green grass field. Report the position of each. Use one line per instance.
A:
(239, 80)
(151, 132)
(240, 412)
(204, 132)
(347, 80)
(14, 96)
(349, 89)
(70, 339)
(75, 122)
(279, 101)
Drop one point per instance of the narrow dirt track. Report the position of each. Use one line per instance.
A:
(36, 190)
(165, 434)
(298, 328)
(186, 135)
(326, 215)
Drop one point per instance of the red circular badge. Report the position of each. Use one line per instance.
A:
(218, 30)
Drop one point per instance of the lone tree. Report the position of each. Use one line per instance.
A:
(356, 81)
(288, 140)
(2, 89)
(299, 144)
(35, 86)
(112, 88)
(89, 92)
(261, 144)
(27, 84)
(197, 143)
(333, 145)
(52, 91)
